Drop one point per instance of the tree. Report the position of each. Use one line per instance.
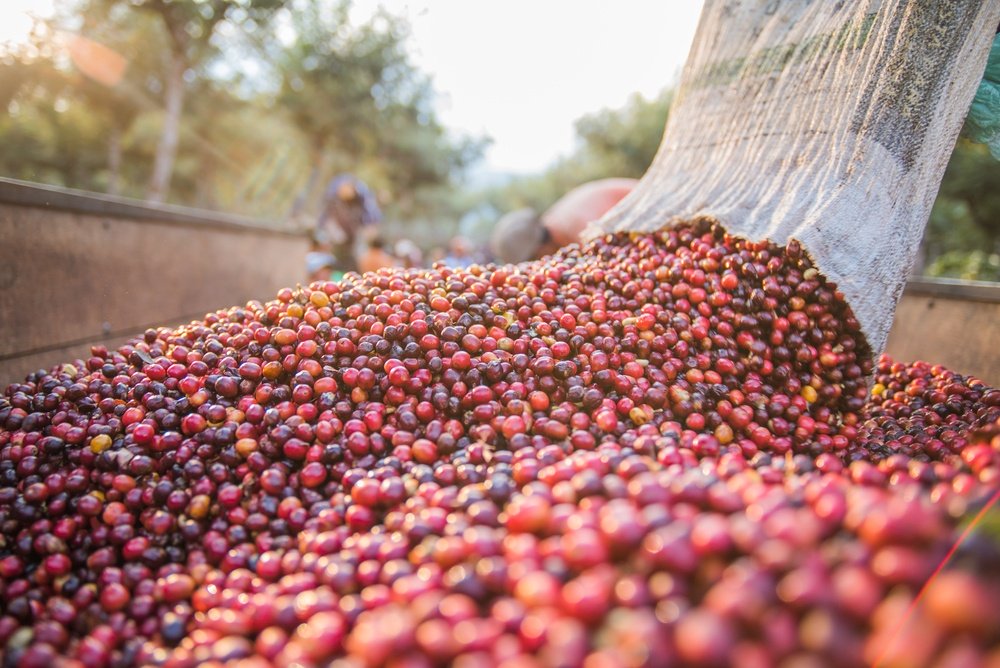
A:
(189, 28)
(115, 87)
(623, 142)
(962, 238)
(262, 115)
(47, 135)
(362, 105)
(971, 178)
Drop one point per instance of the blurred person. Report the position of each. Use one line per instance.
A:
(524, 235)
(435, 255)
(320, 262)
(459, 254)
(348, 208)
(375, 257)
(409, 253)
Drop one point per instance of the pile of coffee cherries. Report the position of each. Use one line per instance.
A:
(653, 450)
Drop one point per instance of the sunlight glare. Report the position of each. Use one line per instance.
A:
(16, 19)
(97, 61)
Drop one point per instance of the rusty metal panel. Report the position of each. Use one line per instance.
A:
(69, 279)
(952, 323)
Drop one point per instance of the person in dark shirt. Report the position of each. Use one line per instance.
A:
(348, 208)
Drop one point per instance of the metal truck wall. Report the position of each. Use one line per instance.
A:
(77, 270)
(952, 323)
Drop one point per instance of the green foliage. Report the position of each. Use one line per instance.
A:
(975, 265)
(330, 77)
(623, 142)
(982, 124)
(190, 26)
(276, 100)
(973, 177)
(47, 135)
(962, 239)
(353, 92)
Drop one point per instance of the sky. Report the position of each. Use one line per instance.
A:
(15, 17)
(520, 71)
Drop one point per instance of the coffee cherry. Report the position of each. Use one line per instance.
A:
(653, 449)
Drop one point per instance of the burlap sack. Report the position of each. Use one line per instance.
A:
(826, 121)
